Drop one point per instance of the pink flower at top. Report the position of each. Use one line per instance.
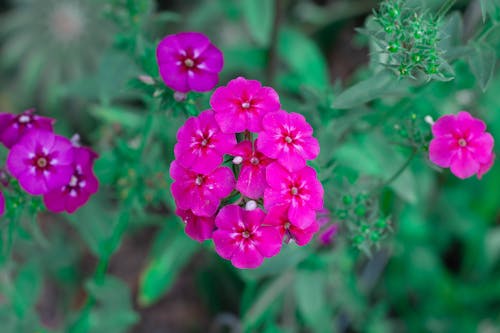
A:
(300, 191)
(201, 145)
(41, 161)
(288, 138)
(241, 105)
(189, 61)
(77, 191)
(462, 144)
(278, 217)
(2, 203)
(198, 192)
(199, 228)
(241, 238)
(13, 127)
(252, 179)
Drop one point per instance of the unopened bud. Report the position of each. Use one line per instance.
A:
(146, 79)
(237, 160)
(179, 96)
(250, 205)
(428, 119)
(75, 140)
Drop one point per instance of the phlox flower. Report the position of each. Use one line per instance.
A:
(278, 217)
(201, 145)
(13, 127)
(243, 239)
(288, 138)
(77, 191)
(198, 228)
(300, 191)
(252, 178)
(41, 161)
(241, 104)
(461, 143)
(189, 61)
(200, 193)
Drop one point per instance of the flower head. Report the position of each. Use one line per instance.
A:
(300, 191)
(241, 238)
(77, 191)
(189, 61)
(201, 144)
(200, 193)
(462, 144)
(241, 105)
(252, 178)
(41, 161)
(198, 228)
(278, 217)
(13, 127)
(288, 138)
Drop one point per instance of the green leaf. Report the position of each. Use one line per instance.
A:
(490, 8)
(379, 85)
(118, 115)
(303, 57)
(162, 270)
(259, 15)
(482, 64)
(26, 289)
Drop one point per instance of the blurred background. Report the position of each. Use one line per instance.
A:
(416, 249)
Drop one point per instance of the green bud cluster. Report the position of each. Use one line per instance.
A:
(410, 41)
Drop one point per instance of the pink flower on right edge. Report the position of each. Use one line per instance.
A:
(462, 144)
(241, 238)
(288, 138)
(189, 61)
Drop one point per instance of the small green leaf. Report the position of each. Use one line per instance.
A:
(259, 16)
(482, 64)
(162, 269)
(379, 85)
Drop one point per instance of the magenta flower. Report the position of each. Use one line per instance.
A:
(2, 203)
(13, 127)
(278, 217)
(326, 236)
(252, 179)
(241, 238)
(300, 191)
(41, 161)
(77, 191)
(288, 138)
(201, 145)
(189, 61)
(462, 144)
(241, 105)
(199, 192)
(198, 228)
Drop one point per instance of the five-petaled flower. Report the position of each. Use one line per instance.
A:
(241, 237)
(13, 127)
(462, 144)
(189, 61)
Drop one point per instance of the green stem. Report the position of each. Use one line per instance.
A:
(398, 172)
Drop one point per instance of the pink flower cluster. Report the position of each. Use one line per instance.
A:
(240, 174)
(47, 164)
(462, 144)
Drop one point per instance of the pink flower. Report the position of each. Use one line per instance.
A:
(326, 236)
(77, 191)
(300, 191)
(241, 238)
(241, 105)
(13, 127)
(252, 179)
(484, 168)
(41, 161)
(287, 137)
(189, 61)
(198, 228)
(462, 144)
(201, 145)
(199, 192)
(2, 203)
(278, 217)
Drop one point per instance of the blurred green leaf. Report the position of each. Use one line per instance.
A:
(490, 8)
(482, 63)
(304, 59)
(259, 15)
(118, 115)
(26, 289)
(162, 269)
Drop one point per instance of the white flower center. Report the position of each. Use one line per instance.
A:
(245, 105)
(245, 234)
(189, 62)
(462, 142)
(288, 139)
(294, 191)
